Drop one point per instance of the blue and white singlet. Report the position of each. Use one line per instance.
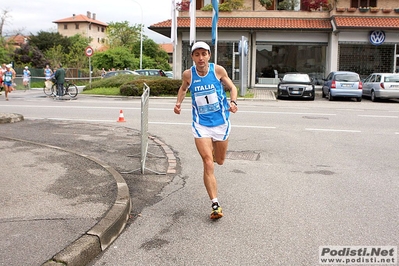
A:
(210, 106)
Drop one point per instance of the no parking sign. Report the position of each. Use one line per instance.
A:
(89, 51)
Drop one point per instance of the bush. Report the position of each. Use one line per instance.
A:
(158, 86)
(111, 82)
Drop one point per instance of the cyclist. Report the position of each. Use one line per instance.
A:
(60, 79)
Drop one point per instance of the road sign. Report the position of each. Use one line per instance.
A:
(89, 51)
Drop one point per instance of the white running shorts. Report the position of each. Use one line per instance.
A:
(218, 133)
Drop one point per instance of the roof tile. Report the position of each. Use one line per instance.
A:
(253, 23)
(367, 22)
(80, 18)
(286, 23)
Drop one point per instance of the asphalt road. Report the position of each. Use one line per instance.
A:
(299, 175)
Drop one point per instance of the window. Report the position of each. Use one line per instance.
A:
(76, 26)
(363, 3)
(65, 26)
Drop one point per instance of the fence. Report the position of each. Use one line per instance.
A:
(144, 133)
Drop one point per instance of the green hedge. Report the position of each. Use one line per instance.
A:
(131, 85)
(158, 86)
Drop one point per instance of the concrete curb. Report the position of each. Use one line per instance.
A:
(98, 238)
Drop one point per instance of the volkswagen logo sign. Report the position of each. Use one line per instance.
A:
(377, 37)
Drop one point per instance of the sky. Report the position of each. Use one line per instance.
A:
(34, 16)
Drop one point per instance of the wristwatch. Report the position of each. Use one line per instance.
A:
(235, 103)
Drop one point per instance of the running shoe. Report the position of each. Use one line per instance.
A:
(216, 211)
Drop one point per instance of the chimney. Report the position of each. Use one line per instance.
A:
(94, 16)
(88, 14)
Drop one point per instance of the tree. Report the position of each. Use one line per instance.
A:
(122, 34)
(76, 57)
(3, 18)
(118, 57)
(54, 55)
(46, 40)
(154, 56)
(5, 52)
(28, 54)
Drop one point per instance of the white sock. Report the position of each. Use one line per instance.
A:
(215, 200)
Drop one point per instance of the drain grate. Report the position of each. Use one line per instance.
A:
(243, 155)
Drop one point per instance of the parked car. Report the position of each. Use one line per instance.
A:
(342, 84)
(381, 86)
(120, 72)
(296, 85)
(151, 72)
(169, 74)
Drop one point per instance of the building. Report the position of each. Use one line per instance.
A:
(16, 40)
(336, 36)
(87, 26)
(168, 47)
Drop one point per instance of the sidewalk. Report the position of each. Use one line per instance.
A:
(64, 199)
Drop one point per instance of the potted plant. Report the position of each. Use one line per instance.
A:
(374, 9)
(396, 10)
(351, 9)
(266, 3)
(314, 5)
(364, 9)
(387, 10)
(287, 4)
(340, 9)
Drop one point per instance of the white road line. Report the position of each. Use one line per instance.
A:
(288, 113)
(187, 124)
(380, 116)
(69, 119)
(261, 127)
(333, 130)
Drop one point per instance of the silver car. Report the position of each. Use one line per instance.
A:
(381, 86)
(342, 84)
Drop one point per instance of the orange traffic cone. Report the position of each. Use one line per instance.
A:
(121, 117)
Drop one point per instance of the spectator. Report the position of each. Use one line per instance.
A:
(60, 80)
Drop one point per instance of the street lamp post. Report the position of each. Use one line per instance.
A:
(141, 36)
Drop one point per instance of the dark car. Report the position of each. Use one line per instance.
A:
(296, 85)
(151, 72)
(120, 72)
(342, 84)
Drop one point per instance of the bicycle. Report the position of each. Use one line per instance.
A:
(69, 89)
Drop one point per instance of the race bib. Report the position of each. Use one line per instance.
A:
(207, 101)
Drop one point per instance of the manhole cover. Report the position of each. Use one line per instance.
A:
(242, 155)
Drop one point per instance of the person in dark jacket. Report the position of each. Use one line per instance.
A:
(60, 79)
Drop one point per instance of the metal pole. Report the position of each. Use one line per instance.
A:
(90, 71)
(141, 36)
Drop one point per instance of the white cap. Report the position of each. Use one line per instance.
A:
(26, 67)
(8, 66)
(200, 45)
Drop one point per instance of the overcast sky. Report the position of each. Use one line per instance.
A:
(38, 15)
